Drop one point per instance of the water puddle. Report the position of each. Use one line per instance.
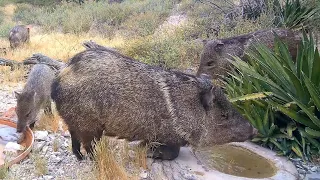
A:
(236, 161)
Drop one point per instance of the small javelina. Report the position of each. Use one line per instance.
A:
(19, 35)
(34, 96)
(214, 57)
(103, 90)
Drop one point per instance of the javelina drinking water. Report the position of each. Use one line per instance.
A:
(18, 35)
(102, 90)
(34, 96)
(214, 57)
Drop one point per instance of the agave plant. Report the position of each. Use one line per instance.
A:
(293, 14)
(280, 96)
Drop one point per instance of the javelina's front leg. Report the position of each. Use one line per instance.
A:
(88, 141)
(76, 146)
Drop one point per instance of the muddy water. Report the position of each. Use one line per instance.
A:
(236, 161)
(7, 134)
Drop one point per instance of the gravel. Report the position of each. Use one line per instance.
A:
(307, 170)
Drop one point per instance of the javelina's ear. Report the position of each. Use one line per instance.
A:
(219, 46)
(17, 94)
(206, 98)
(204, 42)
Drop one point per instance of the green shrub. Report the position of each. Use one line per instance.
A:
(73, 18)
(295, 14)
(169, 50)
(280, 96)
(5, 28)
(142, 24)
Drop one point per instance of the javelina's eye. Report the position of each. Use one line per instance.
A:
(224, 115)
(28, 114)
(210, 63)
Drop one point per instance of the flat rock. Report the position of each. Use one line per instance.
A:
(41, 135)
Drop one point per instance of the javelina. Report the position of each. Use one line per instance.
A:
(214, 57)
(102, 90)
(34, 96)
(18, 35)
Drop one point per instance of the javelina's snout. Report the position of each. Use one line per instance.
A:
(21, 128)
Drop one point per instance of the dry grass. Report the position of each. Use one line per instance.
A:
(40, 164)
(140, 157)
(55, 45)
(55, 144)
(10, 77)
(114, 159)
(52, 123)
(106, 165)
(4, 171)
(8, 11)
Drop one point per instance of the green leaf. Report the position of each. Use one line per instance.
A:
(251, 96)
(314, 93)
(294, 115)
(295, 147)
(312, 132)
(311, 115)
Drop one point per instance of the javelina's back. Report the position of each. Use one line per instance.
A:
(104, 90)
(34, 96)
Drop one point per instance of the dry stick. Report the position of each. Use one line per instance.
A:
(11, 63)
(32, 60)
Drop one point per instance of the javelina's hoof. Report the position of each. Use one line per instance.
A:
(79, 156)
(164, 152)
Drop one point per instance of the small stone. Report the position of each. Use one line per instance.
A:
(144, 175)
(47, 177)
(66, 134)
(65, 144)
(56, 153)
(312, 176)
(301, 176)
(39, 145)
(41, 135)
(296, 159)
(302, 171)
(305, 166)
(45, 149)
(314, 169)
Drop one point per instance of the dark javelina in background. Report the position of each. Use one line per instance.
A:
(34, 96)
(102, 90)
(214, 57)
(19, 35)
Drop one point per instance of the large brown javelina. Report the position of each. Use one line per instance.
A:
(103, 90)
